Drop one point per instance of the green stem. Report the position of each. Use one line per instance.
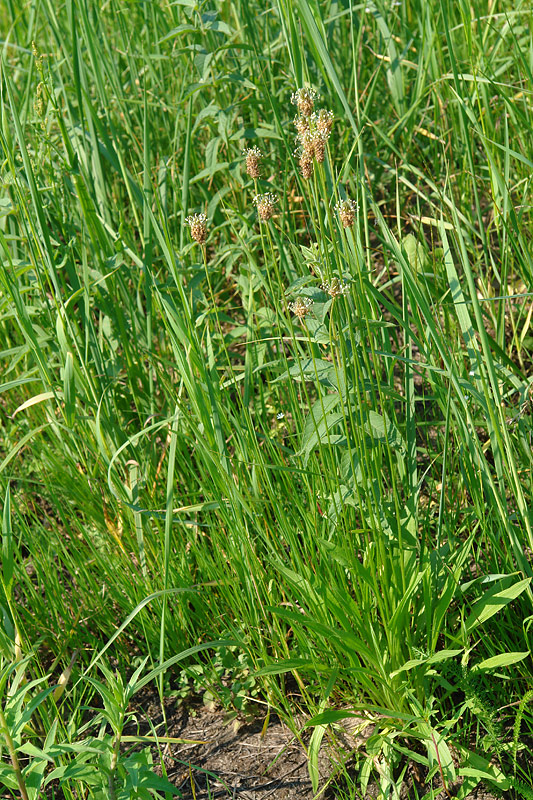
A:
(4, 731)
(217, 320)
(114, 762)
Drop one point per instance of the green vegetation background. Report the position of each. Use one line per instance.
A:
(342, 497)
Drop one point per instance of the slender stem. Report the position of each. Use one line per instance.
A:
(217, 320)
(4, 731)
(439, 763)
(110, 786)
(114, 760)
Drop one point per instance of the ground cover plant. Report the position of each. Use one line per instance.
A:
(266, 370)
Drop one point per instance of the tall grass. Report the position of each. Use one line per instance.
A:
(345, 494)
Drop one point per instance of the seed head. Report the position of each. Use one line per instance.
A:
(306, 167)
(301, 307)
(266, 205)
(308, 144)
(304, 99)
(253, 158)
(335, 288)
(346, 210)
(38, 103)
(302, 126)
(313, 132)
(318, 141)
(198, 226)
(323, 121)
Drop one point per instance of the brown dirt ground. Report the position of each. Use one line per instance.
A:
(239, 762)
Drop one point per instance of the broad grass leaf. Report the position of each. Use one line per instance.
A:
(501, 660)
(330, 716)
(383, 430)
(176, 31)
(298, 284)
(439, 754)
(314, 369)
(76, 770)
(7, 777)
(414, 251)
(351, 471)
(319, 422)
(497, 576)
(460, 303)
(23, 717)
(314, 750)
(263, 132)
(183, 656)
(492, 602)
(69, 389)
(219, 27)
(8, 560)
(5, 387)
(483, 769)
(290, 664)
(39, 398)
(442, 607)
(436, 658)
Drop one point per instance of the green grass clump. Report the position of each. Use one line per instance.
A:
(267, 404)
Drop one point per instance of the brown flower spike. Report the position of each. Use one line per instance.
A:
(302, 126)
(266, 205)
(306, 167)
(198, 226)
(313, 132)
(323, 121)
(253, 158)
(304, 100)
(301, 308)
(319, 146)
(335, 288)
(346, 210)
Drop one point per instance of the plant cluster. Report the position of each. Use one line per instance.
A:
(265, 414)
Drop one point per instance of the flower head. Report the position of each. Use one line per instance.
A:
(323, 121)
(306, 166)
(39, 105)
(313, 132)
(335, 288)
(266, 205)
(198, 226)
(318, 141)
(304, 99)
(253, 157)
(302, 126)
(346, 210)
(301, 307)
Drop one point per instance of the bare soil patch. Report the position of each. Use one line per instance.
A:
(251, 762)
(245, 760)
